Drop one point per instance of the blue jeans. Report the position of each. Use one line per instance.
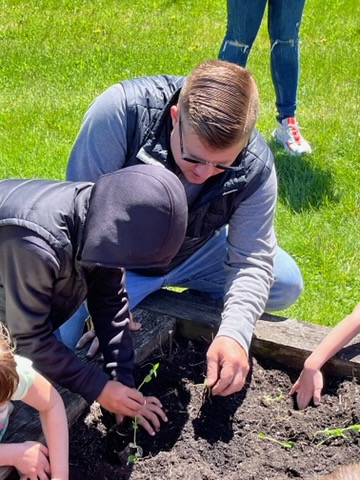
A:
(284, 18)
(203, 271)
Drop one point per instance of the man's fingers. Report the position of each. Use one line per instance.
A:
(212, 373)
(94, 347)
(134, 326)
(87, 337)
(119, 418)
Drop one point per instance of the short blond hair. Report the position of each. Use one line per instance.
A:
(220, 101)
(9, 378)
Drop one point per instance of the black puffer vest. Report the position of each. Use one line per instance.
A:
(56, 211)
(149, 100)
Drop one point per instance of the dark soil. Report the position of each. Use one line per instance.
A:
(220, 438)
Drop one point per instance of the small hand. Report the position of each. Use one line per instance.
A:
(32, 461)
(227, 366)
(90, 336)
(308, 386)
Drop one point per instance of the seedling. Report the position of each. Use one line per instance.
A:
(267, 399)
(340, 432)
(134, 447)
(288, 444)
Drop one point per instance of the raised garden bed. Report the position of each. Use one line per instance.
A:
(256, 434)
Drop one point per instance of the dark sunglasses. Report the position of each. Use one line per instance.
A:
(198, 161)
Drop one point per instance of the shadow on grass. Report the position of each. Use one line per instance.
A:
(302, 185)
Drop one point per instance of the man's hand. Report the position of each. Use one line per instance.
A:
(90, 336)
(308, 386)
(32, 461)
(120, 399)
(227, 366)
(149, 415)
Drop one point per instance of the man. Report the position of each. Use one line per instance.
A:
(202, 128)
(64, 242)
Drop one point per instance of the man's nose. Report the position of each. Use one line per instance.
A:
(205, 170)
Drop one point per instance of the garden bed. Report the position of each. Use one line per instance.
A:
(256, 434)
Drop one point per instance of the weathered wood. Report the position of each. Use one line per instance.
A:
(24, 422)
(283, 340)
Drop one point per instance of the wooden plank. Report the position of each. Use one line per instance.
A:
(279, 339)
(24, 422)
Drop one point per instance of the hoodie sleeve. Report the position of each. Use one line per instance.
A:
(28, 272)
(109, 309)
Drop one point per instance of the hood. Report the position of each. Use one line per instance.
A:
(137, 218)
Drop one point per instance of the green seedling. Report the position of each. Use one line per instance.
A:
(133, 446)
(340, 432)
(267, 399)
(288, 444)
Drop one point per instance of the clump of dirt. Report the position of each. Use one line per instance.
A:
(255, 434)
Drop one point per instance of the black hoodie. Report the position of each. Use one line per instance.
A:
(62, 242)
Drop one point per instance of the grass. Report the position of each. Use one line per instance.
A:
(56, 56)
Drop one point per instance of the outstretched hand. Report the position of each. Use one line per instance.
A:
(227, 366)
(90, 336)
(308, 387)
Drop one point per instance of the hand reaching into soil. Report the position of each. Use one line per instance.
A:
(308, 387)
(90, 336)
(227, 366)
(310, 382)
(149, 415)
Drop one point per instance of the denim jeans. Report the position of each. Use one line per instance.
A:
(204, 271)
(284, 18)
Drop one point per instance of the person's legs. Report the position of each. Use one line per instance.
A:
(243, 23)
(70, 332)
(288, 283)
(284, 24)
(204, 271)
(284, 19)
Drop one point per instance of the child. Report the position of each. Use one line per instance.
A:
(310, 382)
(19, 381)
(346, 472)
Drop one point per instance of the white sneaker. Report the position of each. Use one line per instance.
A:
(287, 133)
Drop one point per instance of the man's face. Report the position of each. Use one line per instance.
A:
(196, 161)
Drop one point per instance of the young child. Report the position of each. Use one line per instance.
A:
(346, 472)
(19, 381)
(310, 382)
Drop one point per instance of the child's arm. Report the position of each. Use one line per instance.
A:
(44, 398)
(310, 382)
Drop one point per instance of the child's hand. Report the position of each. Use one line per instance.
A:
(308, 386)
(32, 461)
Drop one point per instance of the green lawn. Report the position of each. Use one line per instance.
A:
(56, 56)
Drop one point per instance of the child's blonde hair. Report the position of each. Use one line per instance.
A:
(9, 378)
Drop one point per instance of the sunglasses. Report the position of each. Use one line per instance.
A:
(196, 161)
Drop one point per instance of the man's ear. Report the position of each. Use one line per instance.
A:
(174, 113)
